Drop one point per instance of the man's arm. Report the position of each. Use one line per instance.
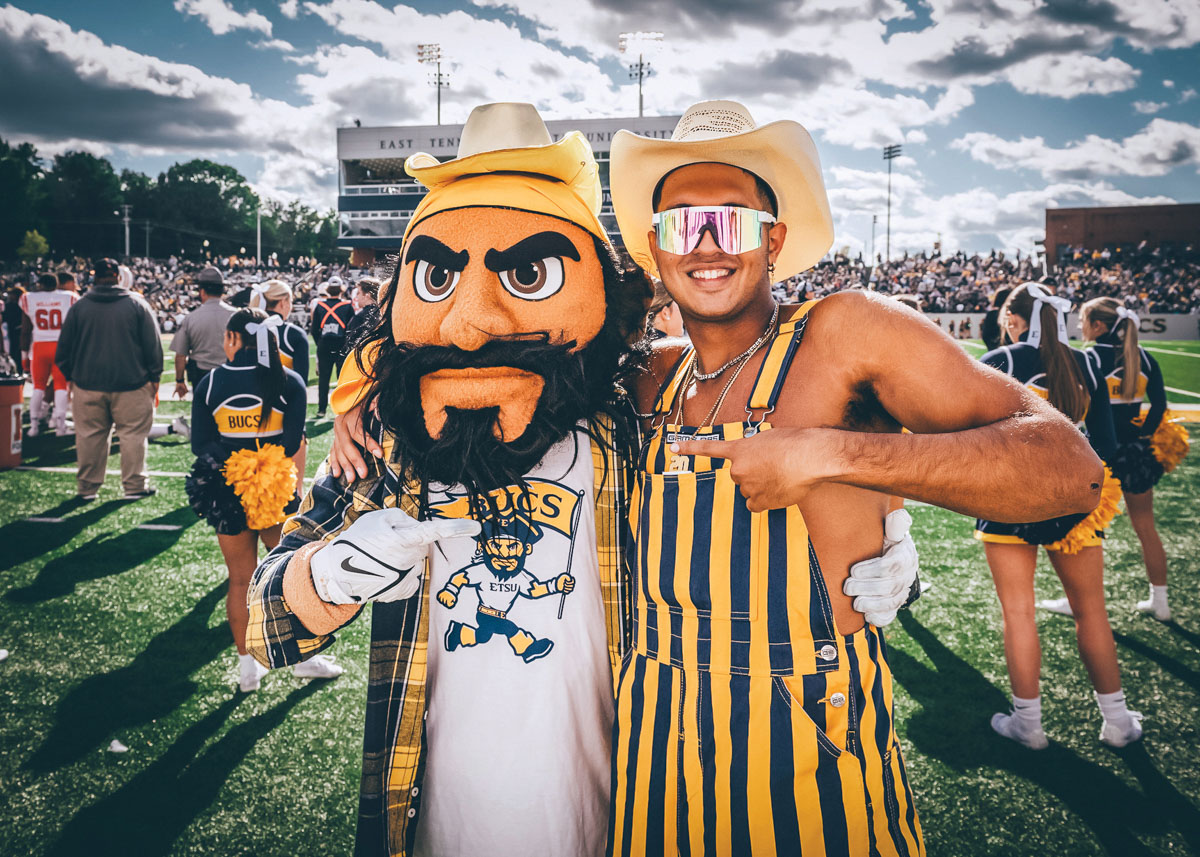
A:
(180, 345)
(64, 352)
(981, 445)
(152, 351)
(289, 622)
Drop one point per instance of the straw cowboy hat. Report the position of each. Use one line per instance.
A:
(782, 154)
(506, 158)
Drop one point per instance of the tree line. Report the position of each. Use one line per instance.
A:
(73, 201)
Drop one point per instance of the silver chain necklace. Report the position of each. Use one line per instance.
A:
(701, 376)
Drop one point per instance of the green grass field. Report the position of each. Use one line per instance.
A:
(116, 631)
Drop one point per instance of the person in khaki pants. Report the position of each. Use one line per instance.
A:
(109, 351)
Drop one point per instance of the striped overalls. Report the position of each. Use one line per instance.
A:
(745, 723)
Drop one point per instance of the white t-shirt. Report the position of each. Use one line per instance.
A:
(47, 311)
(520, 705)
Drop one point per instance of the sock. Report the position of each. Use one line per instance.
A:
(1028, 712)
(60, 405)
(1158, 597)
(1112, 706)
(35, 404)
(246, 660)
(160, 430)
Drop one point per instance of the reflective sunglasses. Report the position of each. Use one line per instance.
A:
(735, 229)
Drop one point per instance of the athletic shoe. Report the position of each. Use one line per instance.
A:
(35, 428)
(1061, 606)
(140, 495)
(453, 636)
(182, 427)
(320, 415)
(61, 429)
(1119, 736)
(1148, 606)
(250, 675)
(85, 498)
(1009, 727)
(318, 666)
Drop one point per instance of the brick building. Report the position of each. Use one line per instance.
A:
(1127, 225)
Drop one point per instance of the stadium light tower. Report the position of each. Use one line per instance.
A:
(431, 54)
(640, 43)
(890, 153)
(125, 209)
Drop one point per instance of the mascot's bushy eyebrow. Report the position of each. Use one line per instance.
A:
(430, 250)
(531, 249)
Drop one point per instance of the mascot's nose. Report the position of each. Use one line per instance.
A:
(478, 314)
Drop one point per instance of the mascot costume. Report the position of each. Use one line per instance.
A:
(490, 533)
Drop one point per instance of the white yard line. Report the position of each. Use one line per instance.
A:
(162, 473)
(42, 520)
(163, 527)
(1183, 392)
(1171, 351)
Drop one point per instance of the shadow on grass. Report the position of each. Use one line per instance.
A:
(48, 450)
(1190, 636)
(1174, 666)
(954, 728)
(147, 814)
(107, 555)
(23, 540)
(151, 686)
(316, 428)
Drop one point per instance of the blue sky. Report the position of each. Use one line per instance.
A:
(1004, 107)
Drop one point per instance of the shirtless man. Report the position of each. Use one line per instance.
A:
(755, 714)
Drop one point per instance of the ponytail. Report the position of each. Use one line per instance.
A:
(1064, 379)
(1123, 323)
(270, 377)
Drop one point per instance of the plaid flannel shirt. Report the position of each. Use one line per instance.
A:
(394, 744)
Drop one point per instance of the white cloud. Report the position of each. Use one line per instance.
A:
(1157, 149)
(289, 8)
(1073, 74)
(1187, 95)
(1149, 107)
(1169, 84)
(274, 45)
(222, 18)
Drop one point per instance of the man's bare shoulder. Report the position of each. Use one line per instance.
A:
(664, 356)
(870, 322)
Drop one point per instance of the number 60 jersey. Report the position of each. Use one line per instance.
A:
(47, 311)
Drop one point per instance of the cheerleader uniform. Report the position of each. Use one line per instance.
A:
(293, 348)
(1069, 533)
(244, 477)
(1135, 463)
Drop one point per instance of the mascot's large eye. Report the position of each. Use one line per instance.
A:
(434, 283)
(534, 281)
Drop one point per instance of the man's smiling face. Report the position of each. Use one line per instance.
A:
(475, 276)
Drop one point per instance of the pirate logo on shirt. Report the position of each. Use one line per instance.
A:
(498, 575)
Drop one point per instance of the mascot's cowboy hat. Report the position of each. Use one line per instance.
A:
(507, 159)
(782, 154)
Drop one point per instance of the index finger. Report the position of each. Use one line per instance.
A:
(709, 448)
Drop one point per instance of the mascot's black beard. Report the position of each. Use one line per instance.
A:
(467, 452)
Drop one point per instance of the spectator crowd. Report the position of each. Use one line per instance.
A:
(1145, 279)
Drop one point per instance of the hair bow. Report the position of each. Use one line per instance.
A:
(1129, 314)
(261, 330)
(1062, 306)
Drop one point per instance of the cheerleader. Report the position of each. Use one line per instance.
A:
(1041, 359)
(247, 423)
(1145, 448)
(275, 296)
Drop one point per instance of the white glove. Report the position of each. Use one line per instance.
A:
(880, 586)
(377, 557)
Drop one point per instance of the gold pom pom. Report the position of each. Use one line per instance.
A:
(1170, 442)
(1099, 518)
(265, 481)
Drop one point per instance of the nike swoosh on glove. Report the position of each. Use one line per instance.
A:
(377, 557)
(880, 586)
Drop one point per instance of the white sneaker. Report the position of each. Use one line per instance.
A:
(250, 675)
(1057, 605)
(318, 666)
(1010, 727)
(182, 427)
(35, 428)
(1148, 606)
(60, 428)
(1118, 736)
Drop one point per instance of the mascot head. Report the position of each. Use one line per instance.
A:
(507, 317)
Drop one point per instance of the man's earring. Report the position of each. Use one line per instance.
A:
(771, 269)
